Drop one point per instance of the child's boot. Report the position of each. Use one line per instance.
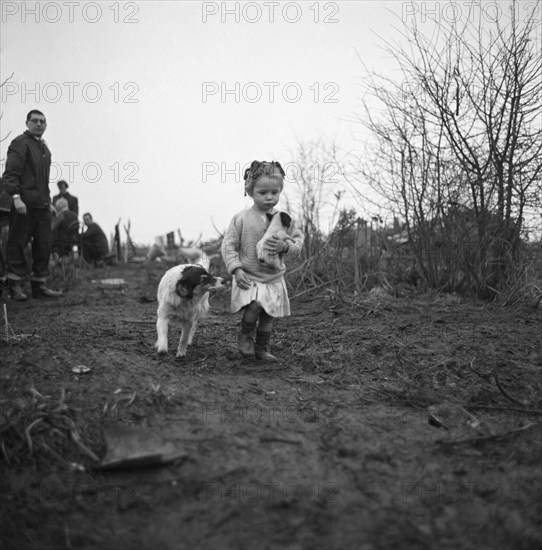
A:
(246, 339)
(260, 349)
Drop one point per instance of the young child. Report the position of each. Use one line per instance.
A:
(259, 290)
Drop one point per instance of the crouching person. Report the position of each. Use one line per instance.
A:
(26, 179)
(94, 242)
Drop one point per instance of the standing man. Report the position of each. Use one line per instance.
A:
(26, 179)
(73, 203)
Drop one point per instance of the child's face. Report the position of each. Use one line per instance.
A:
(267, 192)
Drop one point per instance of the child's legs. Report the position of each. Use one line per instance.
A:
(251, 314)
(265, 322)
(263, 337)
(248, 327)
(254, 314)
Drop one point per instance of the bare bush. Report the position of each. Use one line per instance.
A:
(457, 148)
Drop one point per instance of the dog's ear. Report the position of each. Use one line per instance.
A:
(285, 219)
(269, 216)
(184, 289)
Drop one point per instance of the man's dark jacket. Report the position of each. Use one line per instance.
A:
(95, 237)
(27, 170)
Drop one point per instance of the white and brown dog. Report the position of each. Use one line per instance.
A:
(183, 292)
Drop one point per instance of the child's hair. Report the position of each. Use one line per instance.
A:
(258, 169)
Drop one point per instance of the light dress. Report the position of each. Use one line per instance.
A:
(268, 287)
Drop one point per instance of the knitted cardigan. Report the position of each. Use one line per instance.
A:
(239, 245)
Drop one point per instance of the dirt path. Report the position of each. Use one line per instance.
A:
(330, 448)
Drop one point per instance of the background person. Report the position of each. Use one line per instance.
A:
(5, 208)
(94, 242)
(65, 229)
(73, 202)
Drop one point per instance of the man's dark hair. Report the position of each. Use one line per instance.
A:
(34, 112)
(88, 214)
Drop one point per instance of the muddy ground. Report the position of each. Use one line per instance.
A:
(339, 445)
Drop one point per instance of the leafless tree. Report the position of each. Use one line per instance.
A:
(457, 145)
(313, 192)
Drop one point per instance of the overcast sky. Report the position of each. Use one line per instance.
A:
(154, 108)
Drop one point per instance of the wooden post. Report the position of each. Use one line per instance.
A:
(356, 264)
(117, 240)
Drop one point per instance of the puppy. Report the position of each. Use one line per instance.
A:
(183, 292)
(280, 221)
